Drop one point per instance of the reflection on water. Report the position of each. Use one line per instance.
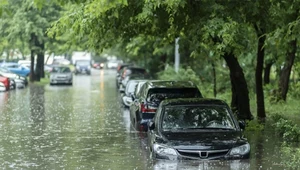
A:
(84, 127)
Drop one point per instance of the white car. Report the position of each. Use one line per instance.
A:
(113, 64)
(61, 75)
(2, 87)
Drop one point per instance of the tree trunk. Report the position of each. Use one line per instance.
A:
(240, 95)
(31, 77)
(267, 72)
(214, 79)
(261, 114)
(286, 71)
(32, 43)
(40, 63)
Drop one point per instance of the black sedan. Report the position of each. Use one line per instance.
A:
(196, 129)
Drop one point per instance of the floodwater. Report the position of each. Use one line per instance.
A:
(85, 127)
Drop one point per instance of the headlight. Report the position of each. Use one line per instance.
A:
(241, 150)
(164, 150)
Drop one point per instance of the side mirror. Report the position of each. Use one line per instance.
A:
(151, 125)
(242, 124)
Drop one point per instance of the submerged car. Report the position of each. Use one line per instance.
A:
(16, 68)
(61, 75)
(152, 93)
(17, 81)
(98, 65)
(83, 67)
(129, 90)
(196, 129)
(5, 83)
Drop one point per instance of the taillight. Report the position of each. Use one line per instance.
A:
(146, 109)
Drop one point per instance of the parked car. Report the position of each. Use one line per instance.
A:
(82, 67)
(2, 87)
(129, 90)
(132, 77)
(113, 64)
(61, 75)
(196, 129)
(98, 65)
(16, 68)
(131, 70)
(17, 81)
(5, 83)
(120, 69)
(152, 93)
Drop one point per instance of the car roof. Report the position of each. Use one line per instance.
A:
(169, 84)
(193, 101)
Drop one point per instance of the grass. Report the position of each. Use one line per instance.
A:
(42, 82)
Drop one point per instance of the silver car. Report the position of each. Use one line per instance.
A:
(61, 75)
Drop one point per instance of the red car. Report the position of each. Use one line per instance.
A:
(5, 82)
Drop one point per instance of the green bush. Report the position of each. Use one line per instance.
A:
(183, 74)
(286, 128)
(290, 156)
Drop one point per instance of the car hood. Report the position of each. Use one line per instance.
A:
(203, 140)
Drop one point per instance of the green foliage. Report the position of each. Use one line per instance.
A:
(290, 156)
(286, 128)
(254, 125)
(294, 89)
(183, 74)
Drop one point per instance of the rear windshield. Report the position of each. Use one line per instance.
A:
(135, 71)
(159, 94)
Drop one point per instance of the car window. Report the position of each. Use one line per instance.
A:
(61, 70)
(135, 71)
(159, 94)
(196, 117)
(131, 87)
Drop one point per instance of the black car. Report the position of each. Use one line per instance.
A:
(196, 129)
(152, 93)
(83, 67)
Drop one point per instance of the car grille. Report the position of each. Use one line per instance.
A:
(200, 154)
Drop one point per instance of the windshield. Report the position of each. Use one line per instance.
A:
(61, 70)
(159, 94)
(196, 117)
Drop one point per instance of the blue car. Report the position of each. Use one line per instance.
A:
(16, 68)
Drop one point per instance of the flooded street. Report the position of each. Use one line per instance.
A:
(84, 127)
